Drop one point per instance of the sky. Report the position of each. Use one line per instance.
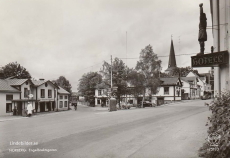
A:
(53, 38)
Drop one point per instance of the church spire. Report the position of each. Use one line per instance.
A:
(172, 59)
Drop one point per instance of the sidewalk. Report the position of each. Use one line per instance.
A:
(12, 117)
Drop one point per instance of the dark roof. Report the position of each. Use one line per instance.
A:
(62, 91)
(169, 80)
(5, 87)
(172, 58)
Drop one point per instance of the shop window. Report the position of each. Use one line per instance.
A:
(9, 97)
(61, 104)
(166, 90)
(9, 107)
(42, 93)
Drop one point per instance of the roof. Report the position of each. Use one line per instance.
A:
(5, 87)
(41, 82)
(188, 79)
(62, 91)
(169, 81)
(38, 82)
(16, 82)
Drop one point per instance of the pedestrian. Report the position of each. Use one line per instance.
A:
(29, 109)
(75, 106)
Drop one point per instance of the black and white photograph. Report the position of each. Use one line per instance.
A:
(114, 79)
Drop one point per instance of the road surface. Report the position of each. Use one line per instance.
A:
(170, 131)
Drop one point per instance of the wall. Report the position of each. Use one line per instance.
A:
(221, 75)
(63, 101)
(3, 102)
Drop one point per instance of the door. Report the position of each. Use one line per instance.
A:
(42, 107)
(19, 108)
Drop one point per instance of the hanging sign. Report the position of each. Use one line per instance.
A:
(209, 60)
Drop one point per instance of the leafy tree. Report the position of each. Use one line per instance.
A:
(88, 84)
(179, 71)
(119, 71)
(15, 69)
(147, 72)
(64, 83)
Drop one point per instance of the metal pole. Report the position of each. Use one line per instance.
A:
(111, 72)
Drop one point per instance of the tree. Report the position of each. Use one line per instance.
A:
(15, 69)
(64, 83)
(119, 78)
(87, 85)
(147, 72)
(179, 71)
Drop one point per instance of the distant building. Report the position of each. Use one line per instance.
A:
(43, 94)
(172, 60)
(169, 90)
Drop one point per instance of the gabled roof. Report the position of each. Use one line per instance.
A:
(5, 87)
(169, 81)
(38, 83)
(62, 91)
(16, 82)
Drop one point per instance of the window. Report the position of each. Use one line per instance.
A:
(42, 93)
(61, 96)
(61, 104)
(26, 92)
(50, 93)
(9, 97)
(65, 103)
(99, 92)
(66, 97)
(9, 107)
(166, 90)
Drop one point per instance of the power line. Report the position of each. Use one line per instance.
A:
(162, 56)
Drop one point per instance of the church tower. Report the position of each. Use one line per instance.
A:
(172, 59)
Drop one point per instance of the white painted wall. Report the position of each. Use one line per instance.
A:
(63, 100)
(221, 75)
(3, 102)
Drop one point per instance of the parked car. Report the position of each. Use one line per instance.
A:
(206, 96)
(146, 104)
(124, 106)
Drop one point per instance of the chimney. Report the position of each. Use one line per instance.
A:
(41, 79)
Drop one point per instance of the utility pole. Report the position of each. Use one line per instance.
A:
(111, 73)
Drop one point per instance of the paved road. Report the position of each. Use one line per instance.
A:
(169, 131)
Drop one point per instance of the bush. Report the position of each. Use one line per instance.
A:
(219, 123)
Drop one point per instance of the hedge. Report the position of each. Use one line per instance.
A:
(219, 124)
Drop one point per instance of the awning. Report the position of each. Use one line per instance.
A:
(24, 100)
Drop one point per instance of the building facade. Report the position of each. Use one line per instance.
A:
(220, 12)
(44, 95)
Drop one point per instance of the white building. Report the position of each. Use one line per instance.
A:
(220, 12)
(169, 90)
